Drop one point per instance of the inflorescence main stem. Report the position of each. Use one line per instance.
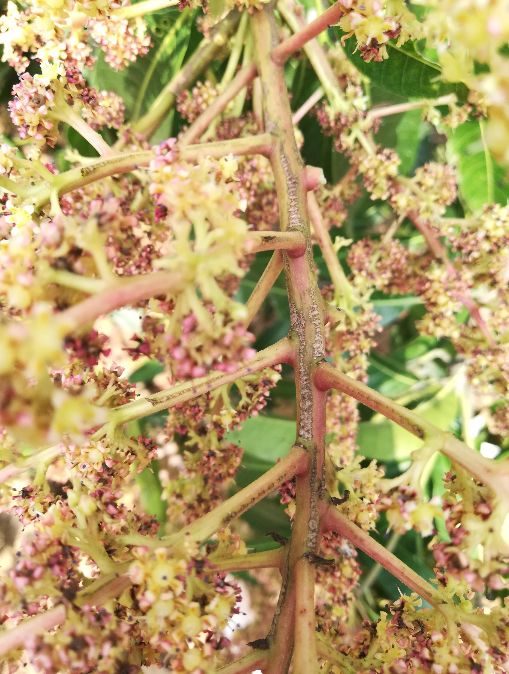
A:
(306, 315)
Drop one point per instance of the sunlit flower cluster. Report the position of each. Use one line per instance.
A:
(69, 34)
(207, 237)
(182, 601)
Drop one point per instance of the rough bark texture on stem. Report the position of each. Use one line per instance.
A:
(307, 329)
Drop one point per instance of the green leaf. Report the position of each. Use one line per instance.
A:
(77, 142)
(416, 348)
(481, 180)
(384, 440)
(274, 309)
(251, 469)
(410, 132)
(151, 493)
(268, 515)
(8, 78)
(171, 51)
(263, 544)
(146, 372)
(266, 438)
(386, 585)
(388, 377)
(405, 72)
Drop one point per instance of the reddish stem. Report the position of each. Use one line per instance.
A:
(308, 105)
(288, 47)
(333, 520)
(123, 293)
(202, 123)
(44, 622)
(19, 635)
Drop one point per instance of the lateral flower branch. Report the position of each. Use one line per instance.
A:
(493, 474)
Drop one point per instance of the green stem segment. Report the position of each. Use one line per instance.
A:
(67, 115)
(336, 658)
(144, 7)
(8, 185)
(342, 287)
(237, 46)
(266, 559)
(264, 285)
(280, 352)
(129, 161)
(295, 463)
(206, 52)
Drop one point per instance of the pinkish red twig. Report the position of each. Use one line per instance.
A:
(288, 47)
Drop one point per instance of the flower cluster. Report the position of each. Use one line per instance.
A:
(477, 551)
(39, 104)
(357, 490)
(183, 347)
(434, 185)
(409, 638)
(467, 35)
(372, 28)
(185, 605)
(191, 104)
(336, 583)
(207, 237)
(70, 34)
(209, 460)
(165, 240)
